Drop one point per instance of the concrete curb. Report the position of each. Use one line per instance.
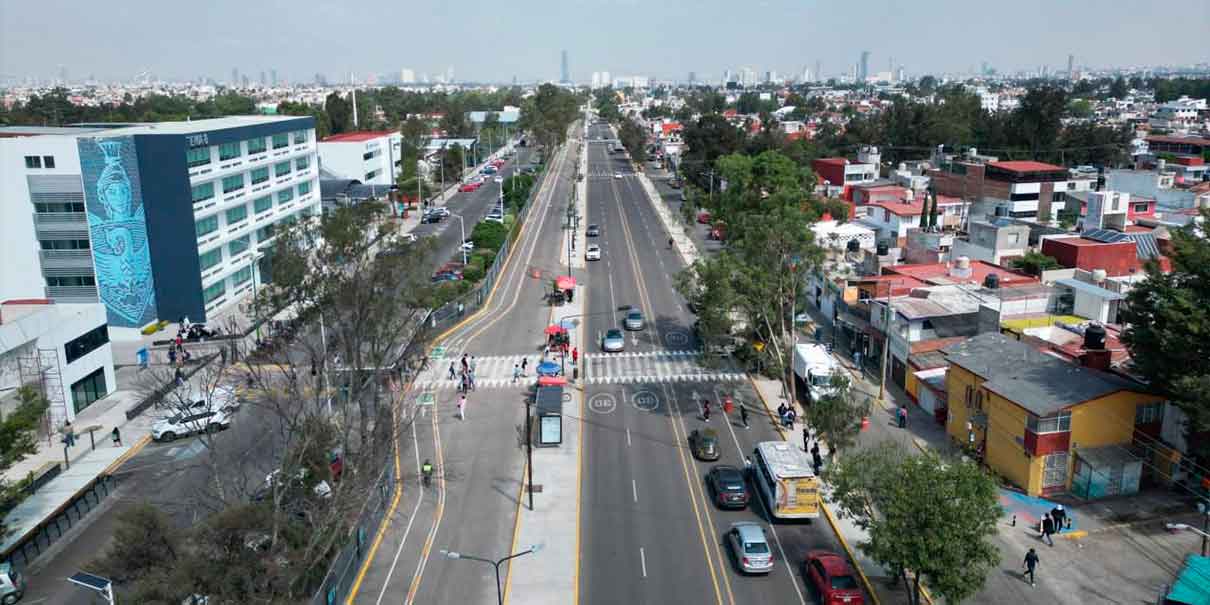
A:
(134, 449)
(508, 578)
(865, 580)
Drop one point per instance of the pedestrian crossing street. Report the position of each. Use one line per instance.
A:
(496, 371)
(679, 365)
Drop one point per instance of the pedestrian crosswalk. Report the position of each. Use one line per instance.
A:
(491, 372)
(496, 371)
(655, 366)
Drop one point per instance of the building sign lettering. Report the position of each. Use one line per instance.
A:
(197, 140)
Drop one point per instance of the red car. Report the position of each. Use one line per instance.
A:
(498, 163)
(468, 187)
(832, 578)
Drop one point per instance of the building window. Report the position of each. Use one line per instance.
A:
(264, 233)
(1014, 238)
(281, 140)
(1023, 197)
(256, 145)
(241, 276)
(285, 195)
(1054, 470)
(1150, 413)
(300, 136)
(64, 244)
(237, 214)
(371, 174)
(304, 188)
(229, 151)
(1057, 423)
(71, 281)
(238, 245)
(86, 343)
(302, 163)
(262, 204)
(58, 207)
(88, 389)
(198, 156)
(260, 175)
(207, 225)
(369, 155)
(281, 168)
(203, 192)
(48, 161)
(1140, 208)
(211, 258)
(210, 294)
(33, 161)
(234, 182)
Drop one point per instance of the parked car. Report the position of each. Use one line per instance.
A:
(727, 485)
(469, 187)
(704, 444)
(494, 217)
(448, 272)
(467, 245)
(593, 252)
(617, 175)
(613, 341)
(440, 210)
(188, 422)
(498, 163)
(593, 230)
(831, 578)
(634, 320)
(751, 547)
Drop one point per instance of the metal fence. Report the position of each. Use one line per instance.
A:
(52, 529)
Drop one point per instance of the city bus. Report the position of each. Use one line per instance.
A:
(784, 477)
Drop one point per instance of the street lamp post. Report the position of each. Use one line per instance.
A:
(1187, 527)
(529, 452)
(455, 555)
(462, 230)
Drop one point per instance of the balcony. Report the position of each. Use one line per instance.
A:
(62, 224)
(66, 259)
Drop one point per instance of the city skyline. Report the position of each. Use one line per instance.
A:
(803, 34)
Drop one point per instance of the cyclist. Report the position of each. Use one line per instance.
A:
(426, 472)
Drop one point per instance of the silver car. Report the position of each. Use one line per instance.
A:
(634, 320)
(750, 546)
(613, 342)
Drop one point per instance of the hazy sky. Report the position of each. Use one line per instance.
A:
(662, 38)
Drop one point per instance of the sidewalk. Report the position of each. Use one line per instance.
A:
(551, 575)
(683, 242)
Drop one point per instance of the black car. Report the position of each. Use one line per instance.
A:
(593, 231)
(727, 485)
(431, 217)
(704, 444)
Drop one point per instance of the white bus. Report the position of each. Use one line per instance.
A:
(784, 477)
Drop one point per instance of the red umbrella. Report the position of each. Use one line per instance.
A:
(553, 329)
(565, 282)
(552, 381)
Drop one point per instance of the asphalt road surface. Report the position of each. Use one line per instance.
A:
(649, 532)
(472, 505)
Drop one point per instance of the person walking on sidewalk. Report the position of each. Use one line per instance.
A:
(743, 414)
(575, 355)
(516, 372)
(706, 409)
(462, 407)
(1048, 528)
(806, 439)
(452, 372)
(524, 365)
(901, 413)
(117, 437)
(1059, 515)
(465, 364)
(1031, 563)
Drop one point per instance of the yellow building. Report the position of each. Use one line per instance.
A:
(1043, 423)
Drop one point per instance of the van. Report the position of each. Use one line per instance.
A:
(814, 368)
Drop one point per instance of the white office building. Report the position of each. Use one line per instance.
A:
(371, 157)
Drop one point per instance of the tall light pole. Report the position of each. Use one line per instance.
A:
(1187, 527)
(886, 343)
(462, 230)
(455, 555)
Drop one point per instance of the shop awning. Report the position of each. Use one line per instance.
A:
(565, 282)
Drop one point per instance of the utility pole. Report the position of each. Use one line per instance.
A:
(529, 451)
(886, 344)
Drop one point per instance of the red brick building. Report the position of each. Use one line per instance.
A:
(1116, 258)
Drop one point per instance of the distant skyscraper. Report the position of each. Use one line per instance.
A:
(596, 79)
(407, 76)
(244, 80)
(863, 68)
(565, 72)
(1071, 67)
(606, 79)
(449, 74)
(264, 80)
(63, 75)
(818, 70)
(273, 77)
(692, 77)
(234, 76)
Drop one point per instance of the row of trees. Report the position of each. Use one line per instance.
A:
(55, 108)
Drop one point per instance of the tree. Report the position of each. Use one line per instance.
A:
(1167, 319)
(836, 416)
(340, 113)
(634, 139)
(548, 114)
(1118, 90)
(453, 161)
(1080, 108)
(1034, 263)
(706, 140)
(922, 514)
(231, 104)
(17, 440)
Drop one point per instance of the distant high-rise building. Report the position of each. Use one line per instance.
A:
(606, 79)
(273, 77)
(818, 70)
(449, 74)
(863, 68)
(565, 73)
(692, 78)
(1071, 67)
(264, 80)
(407, 76)
(234, 77)
(63, 75)
(320, 79)
(596, 80)
(244, 80)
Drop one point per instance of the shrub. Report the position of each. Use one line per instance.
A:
(489, 235)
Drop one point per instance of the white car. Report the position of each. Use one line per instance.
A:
(468, 245)
(189, 422)
(593, 252)
(498, 179)
(617, 175)
(494, 217)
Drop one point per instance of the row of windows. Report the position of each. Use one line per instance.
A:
(281, 168)
(203, 192)
(39, 161)
(52, 207)
(71, 281)
(64, 244)
(200, 156)
(213, 292)
(210, 259)
(235, 182)
(260, 205)
(207, 225)
(86, 343)
(260, 175)
(285, 195)
(237, 214)
(1058, 423)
